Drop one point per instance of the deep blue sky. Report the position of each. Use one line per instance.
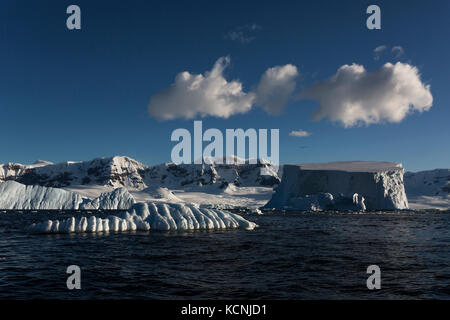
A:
(77, 95)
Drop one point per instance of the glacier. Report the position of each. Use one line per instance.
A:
(149, 216)
(16, 196)
(352, 185)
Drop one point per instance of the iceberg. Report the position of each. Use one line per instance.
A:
(355, 185)
(17, 196)
(326, 201)
(118, 199)
(149, 216)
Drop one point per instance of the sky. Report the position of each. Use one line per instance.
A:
(312, 69)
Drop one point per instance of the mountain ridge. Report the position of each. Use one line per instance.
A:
(123, 171)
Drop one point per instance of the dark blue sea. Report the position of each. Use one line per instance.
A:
(290, 256)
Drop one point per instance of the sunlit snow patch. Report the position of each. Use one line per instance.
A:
(150, 216)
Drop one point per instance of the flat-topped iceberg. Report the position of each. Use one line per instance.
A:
(149, 216)
(17, 196)
(330, 186)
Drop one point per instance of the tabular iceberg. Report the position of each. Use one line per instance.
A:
(149, 216)
(373, 185)
(17, 196)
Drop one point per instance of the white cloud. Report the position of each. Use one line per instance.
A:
(380, 48)
(244, 34)
(193, 95)
(354, 96)
(377, 51)
(398, 51)
(275, 87)
(299, 133)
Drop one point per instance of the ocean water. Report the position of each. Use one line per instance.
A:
(290, 256)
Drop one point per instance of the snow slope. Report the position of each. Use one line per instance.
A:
(13, 171)
(150, 216)
(428, 189)
(122, 171)
(118, 199)
(115, 172)
(379, 183)
(220, 175)
(162, 194)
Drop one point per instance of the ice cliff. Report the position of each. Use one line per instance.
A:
(16, 196)
(341, 186)
(149, 216)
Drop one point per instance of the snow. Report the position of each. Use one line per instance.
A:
(210, 196)
(162, 194)
(428, 189)
(326, 201)
(118, 171)
(255, 211)
(16, 196)
(175, 176)
(231, 185)
(150, 216)
(121, 171)
(207, 195)
(379, 183)
(352, 166)
(118, 199)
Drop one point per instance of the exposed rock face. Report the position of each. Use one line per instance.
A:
(14, 171)
(171, 175)
(16, 196)
(125, 172)
(114, 172)
(379, 183)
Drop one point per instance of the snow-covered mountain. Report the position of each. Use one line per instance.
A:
(114, 172)
(428, 189)
(171, 175)
(13, 171)
(123, 171)
(429, 183)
